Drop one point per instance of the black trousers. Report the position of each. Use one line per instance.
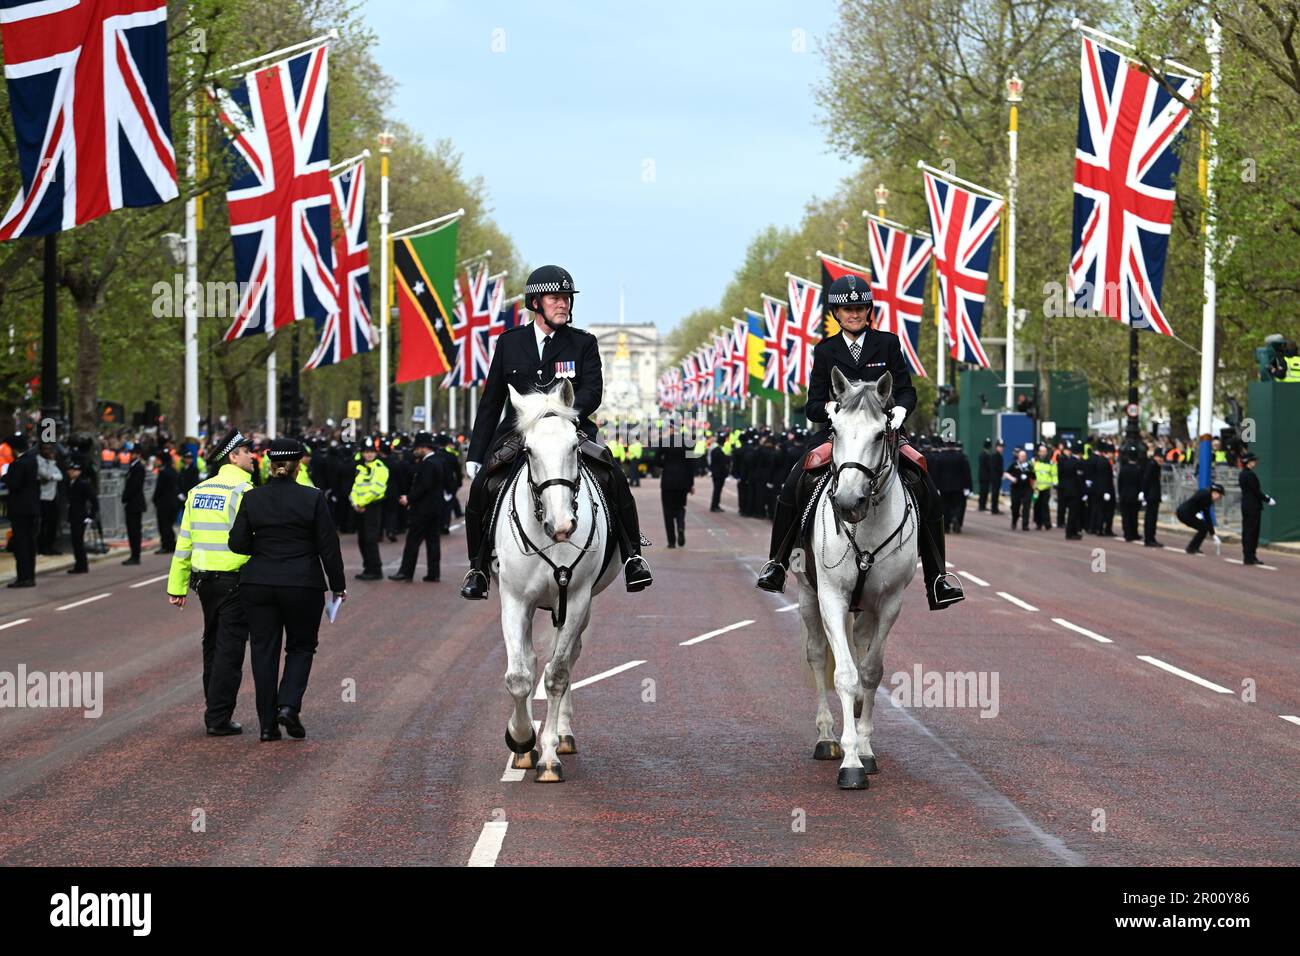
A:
(954, 510)
(225, 634)
(1199, 525)
(24, 545)
(719, 482)
(995, 492)
(674, 505)
(1068, 514)
(288, 617)
(77, 527)
(1043, 509)
(1150, 517)
(1249, 534)
(984, 495)
(426, 529)
(369, 526)
(1129, 519)
(166, 527)
(1020, 503)
(134, 520)
(49, 530)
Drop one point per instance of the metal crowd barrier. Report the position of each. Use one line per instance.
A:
(1180, 482)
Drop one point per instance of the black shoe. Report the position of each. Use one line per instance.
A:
(400, 576)
(165, 551)
(370, 576)
(941, 593)
(672, 545)
(1192, 550)
(273, 734)
(681, 539)
(228, 729)
(1251, 561)
(130, 561)
(475, 586)
(290, 722)
(29, 583)
(78, 570)
(433, 578)
(1152, 544)
(771, 578)
(637, 573)
(715, 509)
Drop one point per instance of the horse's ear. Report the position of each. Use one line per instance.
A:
(566, 393)
(884, 388)
(839, 384)
(515, 398)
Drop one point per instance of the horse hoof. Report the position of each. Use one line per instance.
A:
(518, 747)
(852, 778)
(828, 750)
(869, 765)
(567, 745)
(550, 773)
(526, 761)
(857, 708)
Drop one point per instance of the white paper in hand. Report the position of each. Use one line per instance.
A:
(332, 605)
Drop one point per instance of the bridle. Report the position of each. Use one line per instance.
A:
(536, 488)
(878, 477)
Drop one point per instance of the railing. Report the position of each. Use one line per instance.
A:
(1180, 482)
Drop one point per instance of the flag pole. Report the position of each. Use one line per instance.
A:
(1213, 45)
(191, 420)
(1014, 87)
(386, 140)
(283, 51)
(344, 164)
(923, 233)
(949, 177)
(426, 226)
(272, 411)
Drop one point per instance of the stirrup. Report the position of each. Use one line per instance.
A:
(933, 590)
(634, 586)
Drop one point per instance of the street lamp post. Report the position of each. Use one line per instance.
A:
(386, 140)
(1015, 93)
(882, 199)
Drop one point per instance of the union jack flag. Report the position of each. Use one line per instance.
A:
(279, 196)
(704, 363)
(739, 359)
(962, 223)
(722, 346)
(507, 316)
(1124, 171)
(899, 265)
(801, 331)
(478, 297)
(348, 332)
(776, 375)
(88, 92)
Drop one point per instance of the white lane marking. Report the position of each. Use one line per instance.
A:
(514, 774)
(721, 630)
(788, 607)
(453, 527)
(140, 584)
(68, 607)
(1016, 601)
(541, 688)
(950, 564)
(1266, 567)
(1291, 717)
(21, 620)
(1185, 675)
(970, 577)
(1082, 630)
(1168, 548)
(488, 847)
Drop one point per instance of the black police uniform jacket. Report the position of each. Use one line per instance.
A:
(133, 490)
(516, 362)
(434, 477)
(1253, 498)
(24, 484)
(880, 353)
(287, 529)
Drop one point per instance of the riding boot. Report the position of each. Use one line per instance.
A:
(636, 572)
(475, 586)
(784, 530)
(941, 589)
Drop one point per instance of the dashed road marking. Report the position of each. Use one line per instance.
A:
(1082, 630)
(140, 584)
(970, 577)
(488, 847)
(1291, 717)
(21, 620)
(788, 607)
(97, 597)
(721, 630)
(514, 774)
(1016, 601)
(540, 693)
(1266, 567)
(1185, 675)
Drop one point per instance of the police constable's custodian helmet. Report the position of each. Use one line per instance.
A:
(849, 290)
(547, 279)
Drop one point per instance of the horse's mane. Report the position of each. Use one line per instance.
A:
(532, 407)
(861, 396)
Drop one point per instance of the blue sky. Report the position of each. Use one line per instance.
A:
(668, 133)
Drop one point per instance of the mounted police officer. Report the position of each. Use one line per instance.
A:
(862, 354)
(533, 357)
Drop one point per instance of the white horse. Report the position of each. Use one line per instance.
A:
(864, 549)
(551, 536)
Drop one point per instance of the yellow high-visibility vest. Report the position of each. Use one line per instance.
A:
(202, 544)
(371, 483)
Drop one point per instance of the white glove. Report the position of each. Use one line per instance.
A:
(1106, 496)
(1142, 498)
(965, 492)
(1087, 484)
(471, 469)
(1218, 540)
(1272, 500)
(896, 416)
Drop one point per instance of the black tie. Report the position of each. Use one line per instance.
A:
(856, 349)
(545, 342)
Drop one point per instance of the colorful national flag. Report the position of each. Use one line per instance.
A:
(962, 223)
(776, 315)
(900, 265)
(1124, 171)
(425, 271)
(477, 295)
(739, 360)
(279, 197)
(802, 330)
(88, 94)
(761, 360)
(347, 331)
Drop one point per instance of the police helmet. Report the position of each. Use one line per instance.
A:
(849, 290)
(547, 279)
